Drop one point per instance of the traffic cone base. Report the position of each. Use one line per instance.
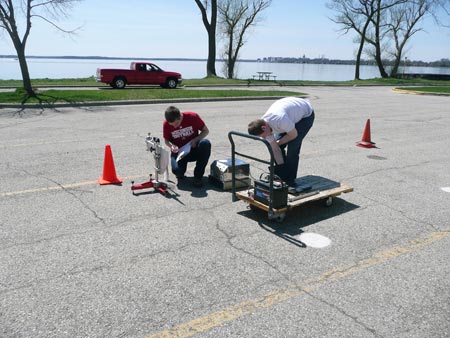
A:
(117, 180)
(109, 172)
(366, 142)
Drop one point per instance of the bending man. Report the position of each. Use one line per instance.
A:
(285, 125)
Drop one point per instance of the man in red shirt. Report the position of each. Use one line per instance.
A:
(184, 133)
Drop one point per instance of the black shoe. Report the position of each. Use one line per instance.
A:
(300, 188)
(197, 182)
(292, 190)
(180, 177)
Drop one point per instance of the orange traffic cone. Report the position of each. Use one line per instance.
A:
(366, 141)
(109, 172)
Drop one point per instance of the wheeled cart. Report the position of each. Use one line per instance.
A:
(272, 195)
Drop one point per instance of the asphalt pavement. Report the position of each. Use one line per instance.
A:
(78, 259)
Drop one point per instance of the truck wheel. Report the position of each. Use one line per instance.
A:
(171, 83)
(119, 83)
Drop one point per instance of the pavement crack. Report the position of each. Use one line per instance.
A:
(230, 238)
(346, 314)
(404, 214)
(70, 192)
(363, 175)
(99, 267)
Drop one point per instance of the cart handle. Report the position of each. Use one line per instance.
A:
(233, 162)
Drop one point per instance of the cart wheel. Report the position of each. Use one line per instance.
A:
(277, 217)
(329, 201)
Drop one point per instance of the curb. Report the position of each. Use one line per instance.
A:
(135, 102)
(413, 92)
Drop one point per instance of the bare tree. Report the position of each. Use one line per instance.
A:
(377, 34)
(402, 25)
(210, 26)
(368, 19)
(235, 19)
(442, 13)
(354, 15)
(18, 15)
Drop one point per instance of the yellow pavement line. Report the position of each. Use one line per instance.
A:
(45, 142)
(58, 187)
(417, 92)
(270, 299)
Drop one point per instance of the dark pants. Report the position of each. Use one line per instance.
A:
(288, 171)
(199, 154)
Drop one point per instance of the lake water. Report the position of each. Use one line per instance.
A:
(82, 68)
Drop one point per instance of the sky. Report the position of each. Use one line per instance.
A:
(174, 29)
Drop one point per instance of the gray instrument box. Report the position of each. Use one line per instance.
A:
(221, 173)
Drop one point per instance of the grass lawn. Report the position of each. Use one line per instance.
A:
(63, 95)
(188, 89)
(216, 81)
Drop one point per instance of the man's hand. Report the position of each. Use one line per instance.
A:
(174, 148)
(277, 153)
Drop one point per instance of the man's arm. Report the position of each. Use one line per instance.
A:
(290, 135)
(204, 132)
(173, 148)
(277, 153)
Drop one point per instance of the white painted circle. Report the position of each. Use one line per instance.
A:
(446, 189)
(314, 240)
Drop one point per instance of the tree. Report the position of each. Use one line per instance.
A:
(235, 19)
(442, 13)
(364, 17)
(402, 25)
(211, 30)
(18, 15)
(354, 15)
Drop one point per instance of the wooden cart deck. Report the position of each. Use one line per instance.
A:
(322, 188)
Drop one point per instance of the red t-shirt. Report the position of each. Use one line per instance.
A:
(191, 125)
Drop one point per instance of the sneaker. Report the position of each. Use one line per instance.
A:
(299, 189)
(197, 182)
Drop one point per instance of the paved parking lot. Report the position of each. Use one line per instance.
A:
(82, 260)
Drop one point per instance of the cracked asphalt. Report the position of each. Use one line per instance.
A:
(82, 260)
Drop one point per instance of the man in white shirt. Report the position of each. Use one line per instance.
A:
(285, 125)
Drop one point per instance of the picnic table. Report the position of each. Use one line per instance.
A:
(264, 76)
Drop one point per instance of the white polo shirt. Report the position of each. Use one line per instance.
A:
(283, 114)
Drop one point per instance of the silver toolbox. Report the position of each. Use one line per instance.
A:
(221, 173)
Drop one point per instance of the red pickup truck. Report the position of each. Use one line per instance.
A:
(139, 73)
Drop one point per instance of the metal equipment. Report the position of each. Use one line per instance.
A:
(271, 194)
(161, 166)
(221, 173)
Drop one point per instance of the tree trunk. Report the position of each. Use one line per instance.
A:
(211, 30)
(378, 58)
(230, 63)
(361, 47)
(211, 65)
(395, 67)
(379, 62)
(358, 58)
(24, 70)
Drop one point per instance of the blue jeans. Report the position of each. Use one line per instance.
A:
(200, 154)
(288, 171)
